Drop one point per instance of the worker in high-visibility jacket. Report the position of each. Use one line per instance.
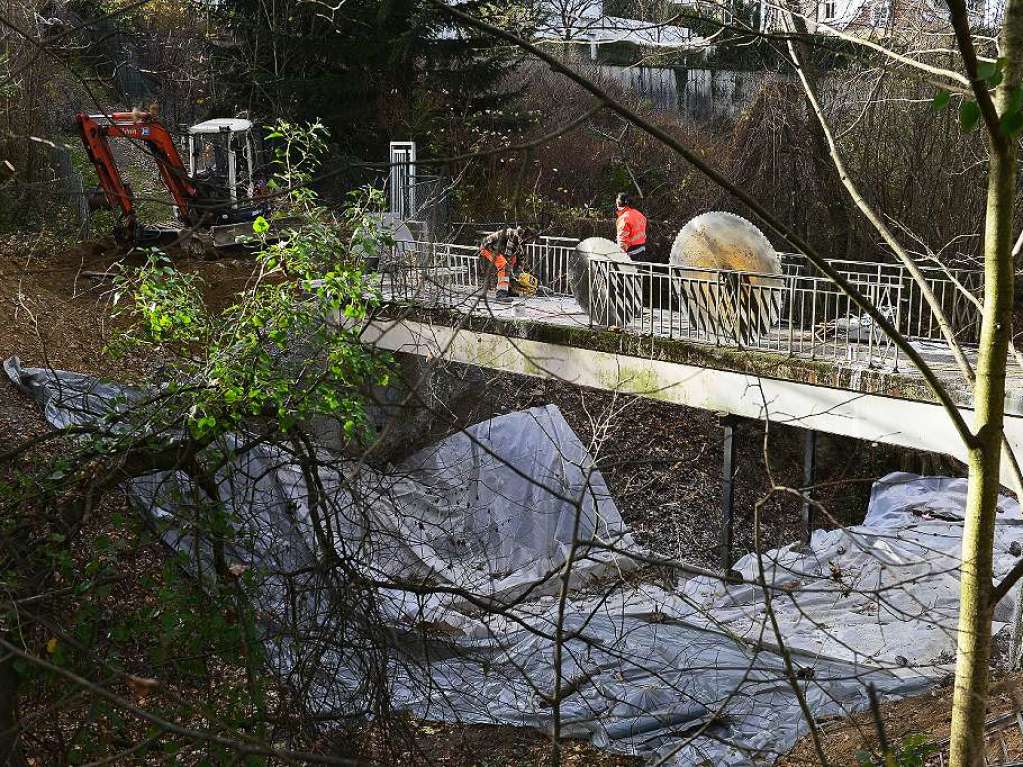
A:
(630, 226)
(503, 249)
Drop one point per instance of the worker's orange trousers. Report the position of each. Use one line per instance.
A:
(502, 263)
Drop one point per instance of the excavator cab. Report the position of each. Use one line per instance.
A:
(221, 158)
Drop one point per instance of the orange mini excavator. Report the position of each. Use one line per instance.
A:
(215, 198)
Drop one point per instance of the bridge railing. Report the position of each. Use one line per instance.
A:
(549, 259)
(956, 290)
(798, 312)
(433, 274)
(433, 268)
(793, 315)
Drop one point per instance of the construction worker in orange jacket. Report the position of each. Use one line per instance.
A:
(630, 226)
(503, 249)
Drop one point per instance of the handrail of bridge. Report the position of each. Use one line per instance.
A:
(791, 315)
(798, 312)
(956, 290)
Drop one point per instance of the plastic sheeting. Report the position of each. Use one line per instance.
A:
(691, 673)
(70, 399)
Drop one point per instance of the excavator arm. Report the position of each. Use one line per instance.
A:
(97, 130)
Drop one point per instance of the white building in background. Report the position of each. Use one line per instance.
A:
(583, 22)
(880, 18)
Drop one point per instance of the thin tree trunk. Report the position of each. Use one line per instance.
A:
(886, 234)
(828, 175)
(974, 637)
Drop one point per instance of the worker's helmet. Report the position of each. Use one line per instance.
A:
(624, 200)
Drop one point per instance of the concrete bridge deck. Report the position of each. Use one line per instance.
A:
(824, 372)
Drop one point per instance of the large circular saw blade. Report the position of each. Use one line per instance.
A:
(722, 284)
(721, 240)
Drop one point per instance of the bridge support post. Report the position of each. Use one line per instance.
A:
(809, 478)
(729, 423)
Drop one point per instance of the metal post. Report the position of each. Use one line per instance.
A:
(898, 324)
(809, 474)
(728, 423)
(402, 179)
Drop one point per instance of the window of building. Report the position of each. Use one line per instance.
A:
(827, 10)
(881, 14)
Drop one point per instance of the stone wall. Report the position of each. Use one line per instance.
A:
(699, 94)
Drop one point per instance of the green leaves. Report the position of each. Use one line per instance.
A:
(941, 100)
(913, 751)
(1012, 123)
(969, 116)
(297, 152)
(166, 306)
(1011, 119)
(203, 426)
(991, 73)
(278, 351)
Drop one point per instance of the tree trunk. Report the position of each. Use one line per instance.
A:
(974, 636)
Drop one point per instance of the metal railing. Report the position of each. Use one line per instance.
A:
(434, 274)
(791, 315)
(796, 313)
(548, 259)
(956, 291)
(443, 271)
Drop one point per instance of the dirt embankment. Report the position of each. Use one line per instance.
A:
(55, 309)
(927, 715)
(55, 312)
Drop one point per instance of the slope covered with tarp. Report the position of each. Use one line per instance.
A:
(454, 560)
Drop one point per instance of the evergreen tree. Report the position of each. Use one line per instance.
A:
(371, 70)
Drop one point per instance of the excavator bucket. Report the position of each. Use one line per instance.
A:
(241, 235)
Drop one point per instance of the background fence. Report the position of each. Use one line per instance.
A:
(55, 199)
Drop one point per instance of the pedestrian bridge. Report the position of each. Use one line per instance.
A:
(787, 348)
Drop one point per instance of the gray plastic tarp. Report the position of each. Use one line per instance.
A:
(486, 516)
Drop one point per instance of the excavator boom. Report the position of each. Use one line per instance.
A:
(97, 130)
